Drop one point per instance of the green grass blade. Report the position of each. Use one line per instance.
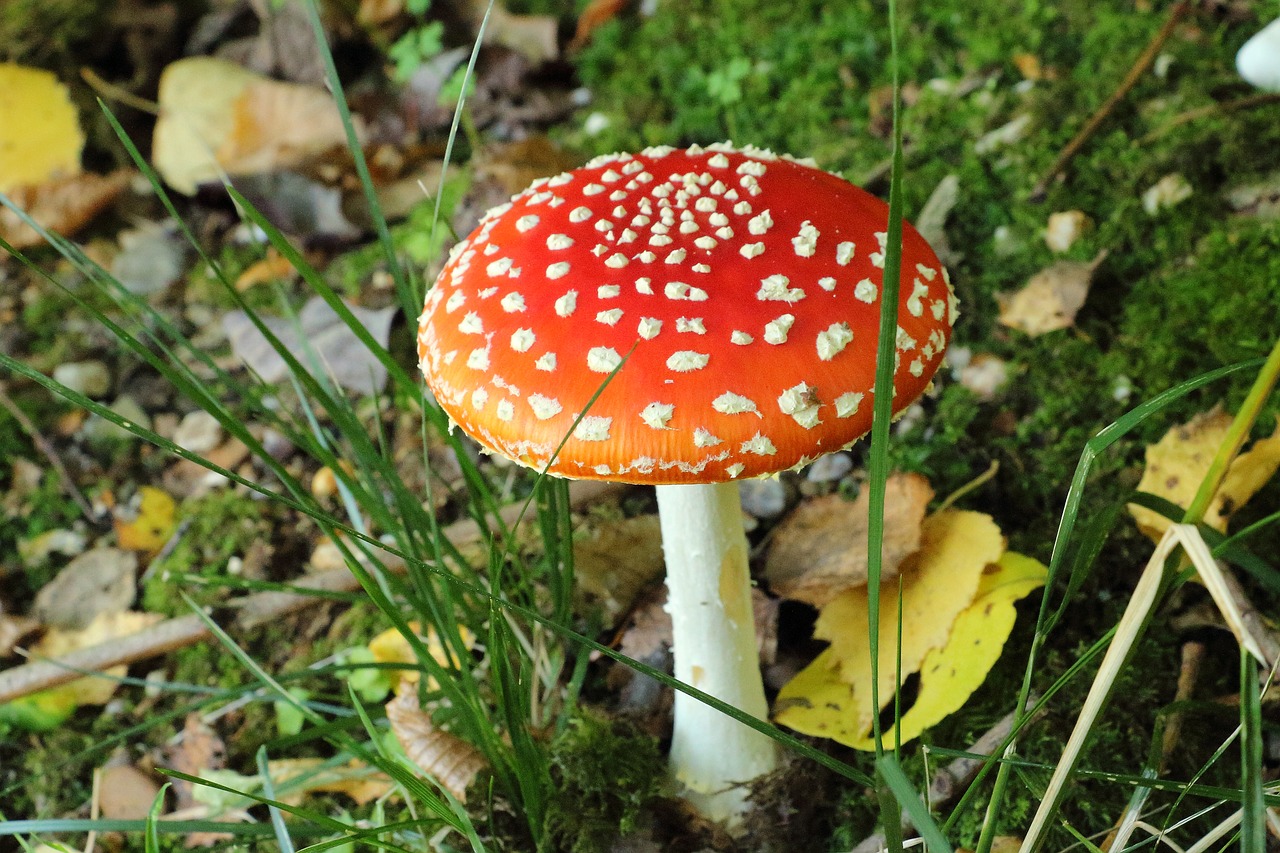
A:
(283, 841)
(1253, 825)
(888, 769)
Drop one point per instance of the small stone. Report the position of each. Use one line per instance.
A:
(98, 428)
(90, 378)
(99, 581)
(985, 375)
(198, 432)
(765, 498)
(1064, 228)
(829, 468)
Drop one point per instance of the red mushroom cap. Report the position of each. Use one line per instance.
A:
(744, 286)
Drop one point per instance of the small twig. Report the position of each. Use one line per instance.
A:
(1139, 68)
(42, 444)
(1192, 656)
(1246, 103)
(252, 610)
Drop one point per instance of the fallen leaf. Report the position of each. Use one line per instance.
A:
(1051, 299)
(825, 698)
(126, 793)
(62, 205)
(40, 137)
(613, 561)
(101, 581)
(274, 267)
(320, 340)
(391, 647)
(47, 709)
(197, 750)
(444, 757)
(535, 37)
(932, 221)
(293, 779)
(1179, 461)
(820, 550)
(147, 522)
(938, 582)
(217, 117)
(596, 14)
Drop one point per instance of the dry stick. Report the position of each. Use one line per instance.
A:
(1188, 673)
(1246, 103)
(1140, 67)
(42, 444)
(253, 610)
(949, 782)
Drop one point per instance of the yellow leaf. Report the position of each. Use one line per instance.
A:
(216, 117)
(1179, 461)
(40, 137)
(939, 581)
(391, 647)
(58, 643)
(151, 527)
(819, 701)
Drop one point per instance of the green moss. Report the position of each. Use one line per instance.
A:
(604, 774)
(221, 525)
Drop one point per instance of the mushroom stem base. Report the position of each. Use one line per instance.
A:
(714, 642)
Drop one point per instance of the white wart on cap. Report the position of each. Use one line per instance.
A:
(742, 287)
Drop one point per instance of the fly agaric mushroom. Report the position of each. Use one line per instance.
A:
(743, 290)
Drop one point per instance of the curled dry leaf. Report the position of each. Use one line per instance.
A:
(820, 550)
(448, 759)
(146, 523)
(1179, 461)
(1051, 299)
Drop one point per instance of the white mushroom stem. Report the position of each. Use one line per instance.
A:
(714, 642)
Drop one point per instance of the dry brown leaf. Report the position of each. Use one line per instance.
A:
(448, 759)
(1051, 299)
(198, 749)
(274, 267)
(534, 37)
(63, 205)
(820, 550)
(126, 793)
(613, 561)
(593, 17)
